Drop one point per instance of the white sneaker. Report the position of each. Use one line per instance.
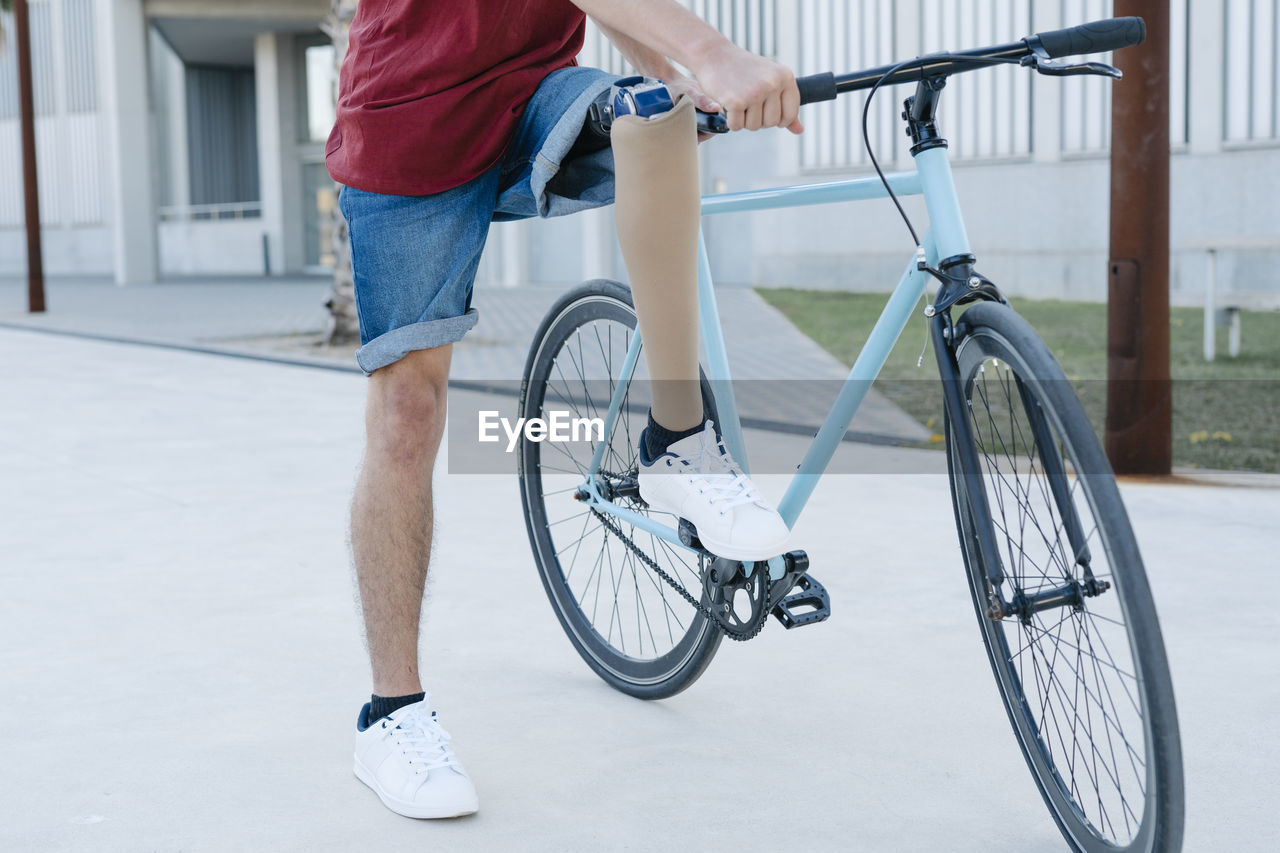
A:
(405, 758)
(697, 480)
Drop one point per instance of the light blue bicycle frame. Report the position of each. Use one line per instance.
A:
(946, 238)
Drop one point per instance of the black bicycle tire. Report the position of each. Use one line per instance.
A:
(671, 673)
(996, 331)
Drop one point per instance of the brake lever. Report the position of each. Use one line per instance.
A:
(712, 122)
(1042, 63)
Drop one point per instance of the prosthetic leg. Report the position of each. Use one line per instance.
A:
(658, 204)
(657, 208)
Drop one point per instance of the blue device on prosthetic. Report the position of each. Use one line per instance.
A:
(640, 96)
(645, 97)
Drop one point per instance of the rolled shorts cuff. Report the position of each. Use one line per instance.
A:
(392, 346)
(587, 183)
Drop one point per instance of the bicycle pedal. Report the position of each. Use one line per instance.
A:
(807, 607)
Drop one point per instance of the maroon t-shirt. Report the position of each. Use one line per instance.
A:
(431, 91)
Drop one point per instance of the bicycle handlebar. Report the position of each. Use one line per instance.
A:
(1098, 37)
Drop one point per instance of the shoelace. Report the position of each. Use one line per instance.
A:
(718, 476)
(423, 739)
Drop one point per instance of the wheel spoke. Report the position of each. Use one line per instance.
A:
(1073, 672)
(635, 619)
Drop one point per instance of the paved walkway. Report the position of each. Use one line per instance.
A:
(282, 319)
(181, 666)
(178, 312)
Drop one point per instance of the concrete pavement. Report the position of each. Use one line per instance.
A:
(181, 664)
(199, 311)
(282, 319)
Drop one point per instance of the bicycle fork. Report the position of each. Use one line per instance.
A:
(960, 429)
(1072, 593)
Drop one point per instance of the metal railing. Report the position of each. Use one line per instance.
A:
(210, 212)
(1251, 85)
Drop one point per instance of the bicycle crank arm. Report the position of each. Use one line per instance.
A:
(807, 606)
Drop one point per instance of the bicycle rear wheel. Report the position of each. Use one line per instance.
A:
(630, 626)
(1078, 654)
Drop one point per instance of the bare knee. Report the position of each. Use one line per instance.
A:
(405, 413)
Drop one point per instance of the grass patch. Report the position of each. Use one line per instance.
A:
(1226, 413)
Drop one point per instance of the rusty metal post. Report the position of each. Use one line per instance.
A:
(26, 100)
(1139, 437)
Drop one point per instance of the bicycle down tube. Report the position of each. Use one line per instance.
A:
(947, 238)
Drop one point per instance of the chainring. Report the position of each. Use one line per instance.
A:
(722, 599)
(729, 625)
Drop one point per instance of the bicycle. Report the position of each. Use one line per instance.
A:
(1057, 582)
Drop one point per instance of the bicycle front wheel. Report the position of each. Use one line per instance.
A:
(632, 626)
(1071, 632)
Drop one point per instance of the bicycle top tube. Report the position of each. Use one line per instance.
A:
(802, 195)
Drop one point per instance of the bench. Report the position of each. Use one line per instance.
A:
(1222, 310)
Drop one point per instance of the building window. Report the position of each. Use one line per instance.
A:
(41, 63)
(8, 72)
(320, 107)
(222, 134)
(320, 211)
(81, 82)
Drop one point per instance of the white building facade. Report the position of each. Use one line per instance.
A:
(180, 137)
(174, 138)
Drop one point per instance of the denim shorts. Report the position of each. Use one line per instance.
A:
(415, 257)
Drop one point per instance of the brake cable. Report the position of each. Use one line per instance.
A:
(866, 112)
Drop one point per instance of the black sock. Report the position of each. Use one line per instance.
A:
(380, 706)
(658, 438)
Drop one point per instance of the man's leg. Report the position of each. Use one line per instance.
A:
(414, 259)
(391, 514)
(402, 753)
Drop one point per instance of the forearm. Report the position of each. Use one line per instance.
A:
(644, 59)
(661, 28)
(752, 92)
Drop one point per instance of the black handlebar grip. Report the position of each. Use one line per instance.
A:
(817, 87)
(712, 122)
(1098, 37)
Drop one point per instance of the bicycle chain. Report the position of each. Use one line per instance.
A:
(631, 546)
